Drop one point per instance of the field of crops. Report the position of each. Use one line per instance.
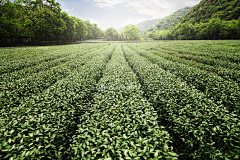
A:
(149, 100)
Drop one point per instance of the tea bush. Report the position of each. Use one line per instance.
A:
(161, 100)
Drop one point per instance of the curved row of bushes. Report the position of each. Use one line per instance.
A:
(42, 126)
(213, 86)
(120, 123)
(200, 128)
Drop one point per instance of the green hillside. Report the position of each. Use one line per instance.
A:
(210, 19)
(143, 25)
(208, 9)
(170, 20)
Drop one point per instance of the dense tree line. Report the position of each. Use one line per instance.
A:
(130, 32)
(42, 20)
(214, 29)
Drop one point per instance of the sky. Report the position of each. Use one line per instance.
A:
(118, 13)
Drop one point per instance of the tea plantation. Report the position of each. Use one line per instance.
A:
(147, 100)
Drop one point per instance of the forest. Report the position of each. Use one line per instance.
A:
(210, 19)
(36, 21)
(42, 21)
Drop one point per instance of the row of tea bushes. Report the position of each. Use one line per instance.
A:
(212, 61)
(220, 67)
(30, 59)
(43, 125)
(29, 71)
(214, 87)
(70, 54)
(218, 50)
(33, 52)
(120, 123)
(11, 66)
(12, 93)
(200, 128)
(226, 73)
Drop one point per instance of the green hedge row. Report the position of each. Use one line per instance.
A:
(197, 58)
(226, 73)
(224, 50)
(211, 61)
(200, 128)
(15, 92)
(44, 66)
(214, 87)
(17, 59)
(42, 126)
(120, 123)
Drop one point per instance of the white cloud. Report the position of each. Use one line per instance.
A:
(68, 10)
(95, 21)
(134, 20)
(108, 4)
(152, 8)
(159, 8)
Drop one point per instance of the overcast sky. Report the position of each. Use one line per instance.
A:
(118, 13)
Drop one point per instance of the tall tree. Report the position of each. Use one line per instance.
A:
(89, 30)
(229, 28)
(101, 32)
(95, 31)
(214, 27)
(44, 25)
(184, 31)
(10, 20)
(69, 31)
(112, 33)
(201, 31)
(132, 32)
(238, 26)
(122, 35)
(81, 29)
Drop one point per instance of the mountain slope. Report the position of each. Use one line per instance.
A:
(208, 9)
(143, 25)
(210, 19)
(170, 20)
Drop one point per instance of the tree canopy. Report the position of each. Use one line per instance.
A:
(132, 32)
(42, 21)
(112, 34)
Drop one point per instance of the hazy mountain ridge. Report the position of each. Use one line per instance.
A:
(169, 21)
(143, 25)
(161, 24)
